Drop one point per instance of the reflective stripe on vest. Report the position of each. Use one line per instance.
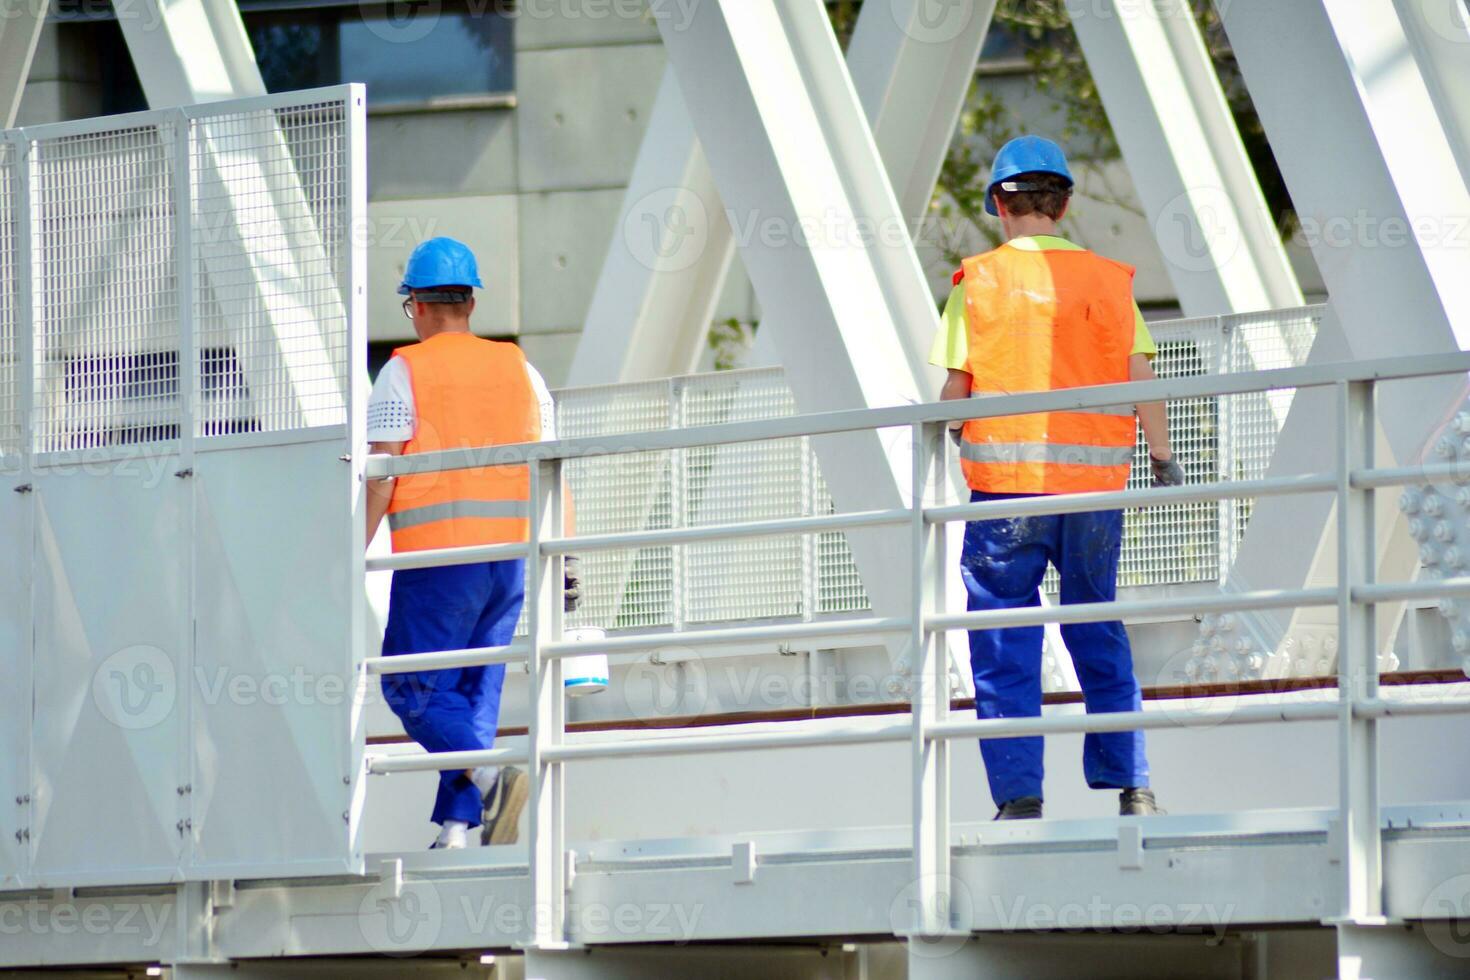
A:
(468, 393)
(414, 516)
(1045, 321)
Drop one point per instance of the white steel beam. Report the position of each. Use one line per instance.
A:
(258, 241)
(1377, 187)
(791, 152)
(1188, 165)
(911, 62)
(20, 29)
(671, 250)
(188, 51)
(655, 296)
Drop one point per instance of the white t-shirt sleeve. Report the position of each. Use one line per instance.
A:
(390, 411)
(545, 401)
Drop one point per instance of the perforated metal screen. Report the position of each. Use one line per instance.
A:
(264, 348)
(269, 220)
(10, 423)
(811, 575)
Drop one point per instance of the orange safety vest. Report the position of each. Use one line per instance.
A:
(1039, 321)
(467, 392)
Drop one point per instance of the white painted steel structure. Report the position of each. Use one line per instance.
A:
(1350, 871)
(140, 425)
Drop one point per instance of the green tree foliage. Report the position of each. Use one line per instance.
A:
(1058, 71)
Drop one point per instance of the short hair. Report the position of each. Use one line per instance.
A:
(1050, 199)
(443, 295)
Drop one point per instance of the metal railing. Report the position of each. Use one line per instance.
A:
(930, 729)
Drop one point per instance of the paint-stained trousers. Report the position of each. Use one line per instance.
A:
(452, 608)
(1002, 565)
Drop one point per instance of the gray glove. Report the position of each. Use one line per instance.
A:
(956, 436)
(1167, 472)
(571, 583)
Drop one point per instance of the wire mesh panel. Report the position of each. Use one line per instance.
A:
(750, 578)
(106, 290)
(1180, 542)
(631, 492)
(10, 419)
(803, 575)
(270, 223)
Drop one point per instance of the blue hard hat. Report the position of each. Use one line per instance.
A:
(1025, 155)
(439, 262)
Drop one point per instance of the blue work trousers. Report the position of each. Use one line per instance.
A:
(1002, 565)
(451, 608)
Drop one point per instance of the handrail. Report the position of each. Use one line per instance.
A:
(828, 423)
(1356, 708)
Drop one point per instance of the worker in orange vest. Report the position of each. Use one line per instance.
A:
(1036, 314)
(455, 390)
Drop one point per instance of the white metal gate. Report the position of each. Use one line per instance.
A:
(180, 326)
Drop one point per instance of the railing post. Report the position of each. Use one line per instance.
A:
(929, 702)
(547, 722)
(1357, 661)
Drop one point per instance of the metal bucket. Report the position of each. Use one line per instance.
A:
(585, 673)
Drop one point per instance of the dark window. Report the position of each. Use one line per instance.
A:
(406, 53)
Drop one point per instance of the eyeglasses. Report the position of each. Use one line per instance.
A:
(408, 307)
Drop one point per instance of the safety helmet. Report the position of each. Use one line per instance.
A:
(1025, 155)
(438, 262)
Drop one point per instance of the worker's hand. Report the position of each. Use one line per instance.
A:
(956, 436)
(571, 583)
(1167, 472)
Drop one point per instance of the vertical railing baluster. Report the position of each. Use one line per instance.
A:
(547, 716)
(1357, 664)
(929, 702)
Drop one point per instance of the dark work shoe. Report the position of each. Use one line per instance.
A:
(1138, 802)
(1021, 808)
(501, 816)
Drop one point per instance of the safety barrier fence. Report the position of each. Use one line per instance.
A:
(929, 727)
(812, 575)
